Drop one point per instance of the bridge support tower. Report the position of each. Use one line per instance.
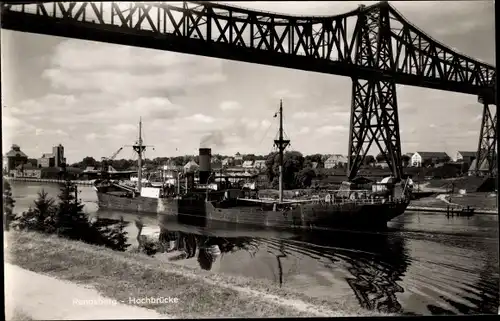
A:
(374, 108)
(486, 150)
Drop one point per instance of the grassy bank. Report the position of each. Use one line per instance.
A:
(478, 201)
(120, 275)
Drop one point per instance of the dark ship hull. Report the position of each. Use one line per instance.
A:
(293, 215)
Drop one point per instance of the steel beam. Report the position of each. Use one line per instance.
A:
(321, 44)
(374, 119)
(486, 150)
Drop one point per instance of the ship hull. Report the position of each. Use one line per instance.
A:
(308, 215)
(137, 204)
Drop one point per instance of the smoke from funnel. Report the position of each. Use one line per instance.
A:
(213, 139)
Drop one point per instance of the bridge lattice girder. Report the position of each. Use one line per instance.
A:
(375, 46)
(418, 60)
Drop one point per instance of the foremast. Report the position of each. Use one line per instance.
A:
(139, 149)
(281, 144)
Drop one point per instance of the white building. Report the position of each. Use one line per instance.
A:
(247, 164)
(191, 166)
(335, 161)
(259, 164)
(420, 159)
(466, 157)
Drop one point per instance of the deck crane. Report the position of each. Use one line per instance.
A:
(107, 160)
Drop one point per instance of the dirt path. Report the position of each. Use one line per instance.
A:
(46, 298)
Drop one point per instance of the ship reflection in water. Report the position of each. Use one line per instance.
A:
(394, 271)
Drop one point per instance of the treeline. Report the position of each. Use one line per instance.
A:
(64, 218)
(124, 164)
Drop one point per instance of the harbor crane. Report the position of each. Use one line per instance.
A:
(106, 161)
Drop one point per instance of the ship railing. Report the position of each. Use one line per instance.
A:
(360, 201)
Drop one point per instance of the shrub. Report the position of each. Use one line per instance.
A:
(40, 217)
(8, 206)
(67, 219)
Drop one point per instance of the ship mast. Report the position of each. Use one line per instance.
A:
(139, 148)
(281, 143)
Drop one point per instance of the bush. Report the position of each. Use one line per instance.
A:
(40, 217)
(67, 219)
(8, 206)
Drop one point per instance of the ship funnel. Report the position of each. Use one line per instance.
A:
(205, 165)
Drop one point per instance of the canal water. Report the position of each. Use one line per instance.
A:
(424, 264)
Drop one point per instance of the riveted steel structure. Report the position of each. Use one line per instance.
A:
(375, 46)
(486, 150)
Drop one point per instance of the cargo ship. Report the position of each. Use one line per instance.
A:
(352, 205)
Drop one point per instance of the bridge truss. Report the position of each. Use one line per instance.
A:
(375, 46)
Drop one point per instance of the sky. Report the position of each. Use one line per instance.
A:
(89, 96)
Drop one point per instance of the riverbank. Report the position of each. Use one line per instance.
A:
(121, 275)
(482, 203)
(44, 180)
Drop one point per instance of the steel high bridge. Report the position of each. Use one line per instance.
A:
(373, 45)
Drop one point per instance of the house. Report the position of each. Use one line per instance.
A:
(247, 164)
(228, 161)
(238, 159)
(422, 159)
(27, 170)
(216, 164)
(14, 158)
(465, 157)
(335, 160)
(259, 164)
(191, 166)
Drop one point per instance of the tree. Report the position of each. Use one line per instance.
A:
(8, 205)
(305, 176)
(315, 158)
(70, 221)
(406, 159)
(293, 162)
(33, 162)
(369, 160)
(40, 217)
(380, 158)
(67, 219)
(113, 236)
(88, 161)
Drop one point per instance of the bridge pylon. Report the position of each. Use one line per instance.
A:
(374, 108)
(486, 150)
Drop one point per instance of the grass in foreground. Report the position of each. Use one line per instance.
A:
(121, 275)
(19, 315)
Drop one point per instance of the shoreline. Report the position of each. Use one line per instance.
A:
(453, 209)
(46, 180)
(120, 275)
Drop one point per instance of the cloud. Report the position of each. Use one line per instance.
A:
(305, 115)
(324, 130)
(230, 105)
(127, 71)
(200, 118)
(304, 130)
(287, 94)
